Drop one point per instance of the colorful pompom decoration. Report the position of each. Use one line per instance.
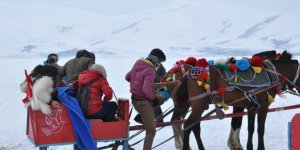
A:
(169, 79)
(176, 69)
(225, 106)
(220, 61)
(180, 62)
(256, 61)
(270, 99)
(222, 67)
(206, 86)
(191, 61)
(162, 80)
(201, 62)
(204, 75)
(233, 67)
(198, 78)
(200, 83)
(211, 62)
(221, 90)
(257, 69)
(242, 64)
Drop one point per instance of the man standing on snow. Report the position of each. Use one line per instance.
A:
(141, 78)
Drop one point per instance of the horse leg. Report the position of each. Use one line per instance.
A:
(196, 130)
(251, 120)
(177, 131)
(261, 119)
(234, 136)
(192, 119)
(179, 112)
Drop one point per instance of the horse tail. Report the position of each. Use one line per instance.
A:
(182, 94)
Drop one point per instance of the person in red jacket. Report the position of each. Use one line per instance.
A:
(98, 108)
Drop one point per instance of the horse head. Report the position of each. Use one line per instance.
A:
(289, 68)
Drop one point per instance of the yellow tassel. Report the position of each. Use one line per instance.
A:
(168, 79)
(257, 69)
(270, 99)
(235, 79)
(206, 86)
(199, 83)
(225, 106)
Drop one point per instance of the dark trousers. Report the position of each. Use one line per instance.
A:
(106, 113)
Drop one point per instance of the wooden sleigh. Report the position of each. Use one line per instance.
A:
(56, 128)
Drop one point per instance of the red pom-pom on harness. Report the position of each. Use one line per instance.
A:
(180, 62)
(191, 61)
(221, 90)
(256, 61)
(233, 67)
(204, 75)
(176, 69)
(202, 62)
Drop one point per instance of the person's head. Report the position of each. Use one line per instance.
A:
(99, 68)
(52, 58)
(83, 53)
(92, 55)
(48, 70)
(157, 56)
(37, 70)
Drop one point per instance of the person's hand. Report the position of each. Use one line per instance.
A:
(159, 100)
(165, 94)
(61, 83)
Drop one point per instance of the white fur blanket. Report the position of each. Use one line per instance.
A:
(41, 94)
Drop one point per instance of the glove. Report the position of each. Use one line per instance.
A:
(165, 94)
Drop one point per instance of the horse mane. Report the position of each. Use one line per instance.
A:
(285, 56)
(267, 55)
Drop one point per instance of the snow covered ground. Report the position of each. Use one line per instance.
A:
(13, 113)
(121, 31)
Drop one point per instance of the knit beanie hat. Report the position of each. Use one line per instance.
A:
(158, 53)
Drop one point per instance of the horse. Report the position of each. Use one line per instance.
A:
(236, 122)
(189, 88)
(44, 80)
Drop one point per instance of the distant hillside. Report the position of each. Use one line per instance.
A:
(32, 28)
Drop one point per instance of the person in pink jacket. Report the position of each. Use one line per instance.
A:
(141, 78)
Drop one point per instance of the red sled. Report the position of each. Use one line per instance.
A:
(56, 128)
(294, 130)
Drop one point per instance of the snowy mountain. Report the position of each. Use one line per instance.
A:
(113, 29)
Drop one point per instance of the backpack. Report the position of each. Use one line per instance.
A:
(83, 95)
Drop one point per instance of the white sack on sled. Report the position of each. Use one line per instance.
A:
(41, 94)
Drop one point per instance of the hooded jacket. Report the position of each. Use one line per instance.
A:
(141, 78)
(97, 89)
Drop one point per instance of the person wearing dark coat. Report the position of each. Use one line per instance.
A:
(73, 67)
